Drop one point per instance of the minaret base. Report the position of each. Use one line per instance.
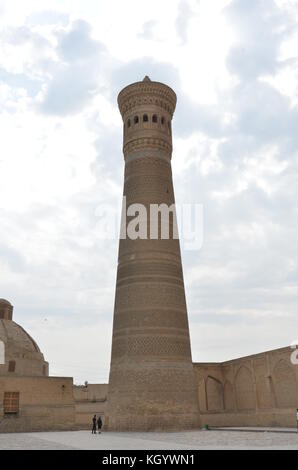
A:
(152, 398)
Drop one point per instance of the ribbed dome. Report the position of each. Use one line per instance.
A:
(22, 355)
(17, 341)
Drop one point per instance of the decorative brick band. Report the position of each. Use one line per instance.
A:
(144, 93)
(161, 346)
(139, 144)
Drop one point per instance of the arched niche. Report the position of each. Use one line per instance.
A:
(214, 391)
(245, 393)
(285, 385)
(228, 396)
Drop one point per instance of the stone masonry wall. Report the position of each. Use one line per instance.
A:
(89, 401)
(258, 390)
(45, 403)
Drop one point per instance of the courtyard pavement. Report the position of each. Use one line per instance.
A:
(212, 439)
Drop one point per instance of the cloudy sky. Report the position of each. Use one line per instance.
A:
(234, 67)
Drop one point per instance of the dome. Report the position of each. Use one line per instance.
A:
(17, 341)
(22, 355)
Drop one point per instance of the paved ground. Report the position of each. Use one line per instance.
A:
(213, 439)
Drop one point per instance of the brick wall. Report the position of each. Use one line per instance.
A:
(258, 390)
(45, 403)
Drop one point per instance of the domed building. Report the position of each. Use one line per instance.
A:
(30, 400)
(22, 356)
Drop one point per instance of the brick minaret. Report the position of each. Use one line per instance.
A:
(152, 384)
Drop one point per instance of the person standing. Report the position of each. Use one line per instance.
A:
(99, 424)
(94, 424)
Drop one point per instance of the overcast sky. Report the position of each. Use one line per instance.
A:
(234, 67)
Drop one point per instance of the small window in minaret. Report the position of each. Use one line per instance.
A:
(136, 119)
(145, 118)
(162, 120)
(128, 123)
(154, 118)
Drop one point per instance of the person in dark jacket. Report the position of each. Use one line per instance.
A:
(94, 424)
(99, 424)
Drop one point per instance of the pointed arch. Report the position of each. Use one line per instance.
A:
(214, 390)
(228, 396)
(245, 393)
(285, 385)
(202, 395)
